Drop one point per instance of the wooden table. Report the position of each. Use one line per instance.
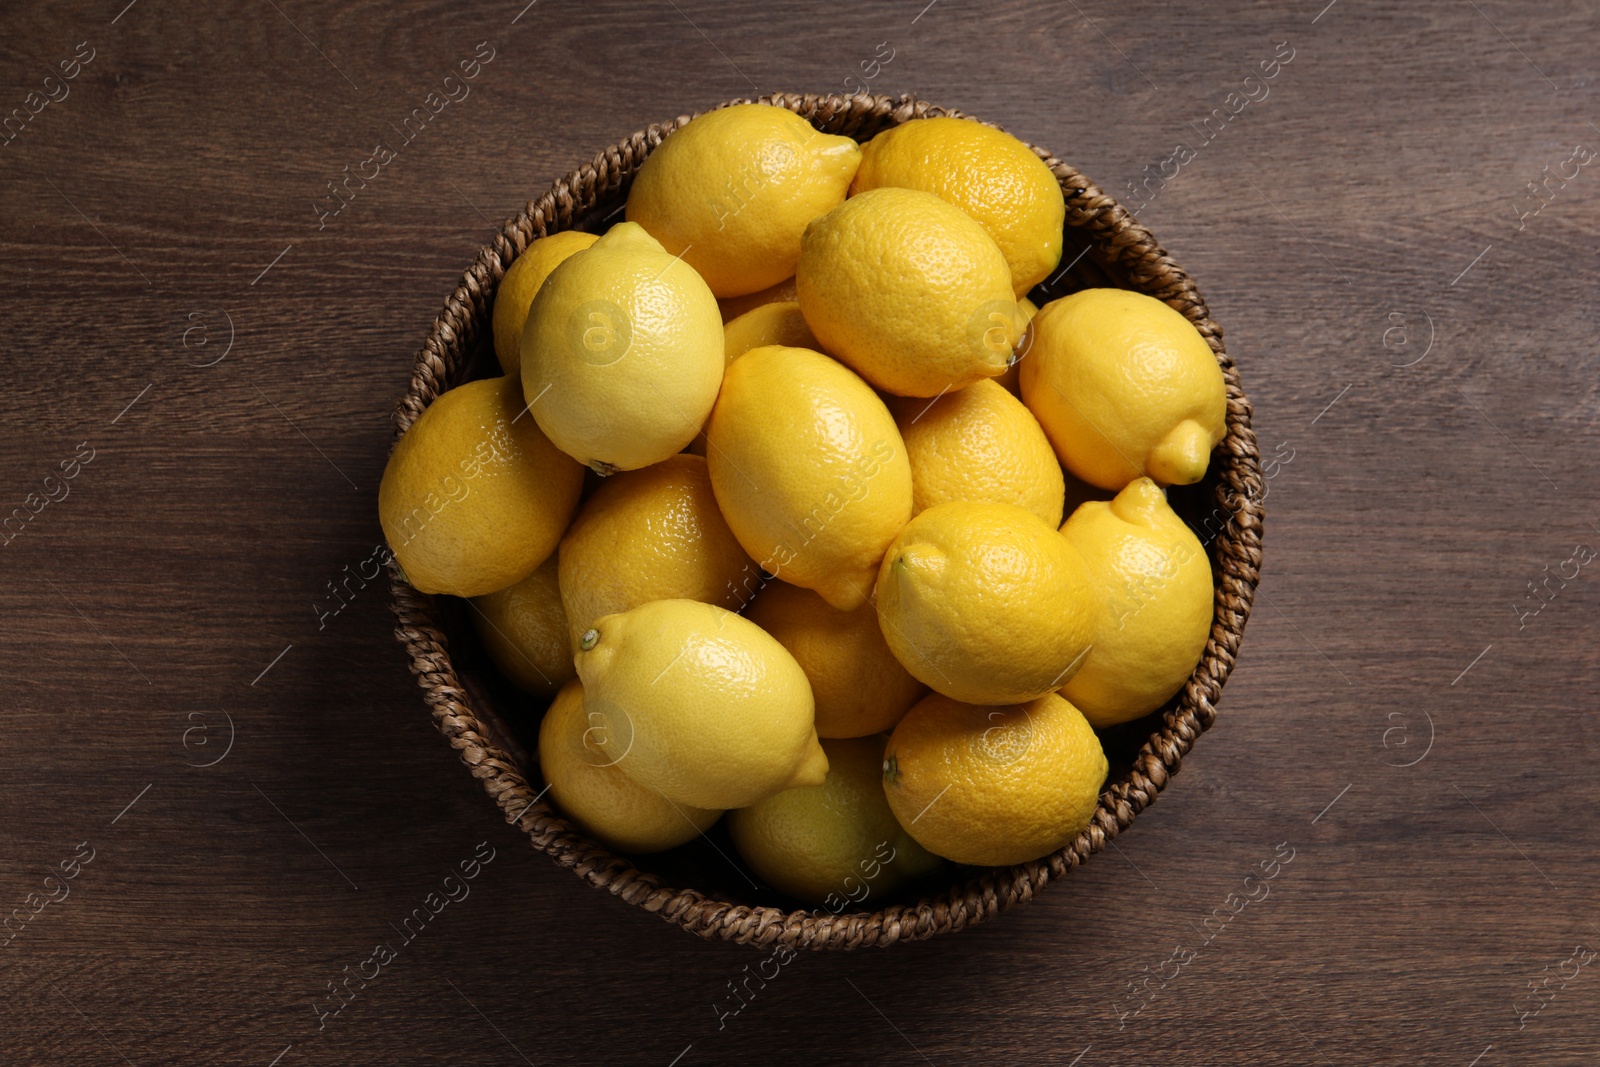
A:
(213, 355)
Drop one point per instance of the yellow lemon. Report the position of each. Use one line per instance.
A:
(472, 500)
(525, 631)
(517, 288)
(986, 602)
(1124, 386)
(732, 190)
(734, 306)
(992, 786)
(979, 443)
(809, 470)
(622, 353)
(1154, 585)
(605, 803)
(908, 291)
(770, 324)
(990, 175)
(836, 844)
(651, 534)
(1011, 378)
(698, 704)
(858, 686)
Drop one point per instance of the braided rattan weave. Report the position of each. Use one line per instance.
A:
(1120, 252)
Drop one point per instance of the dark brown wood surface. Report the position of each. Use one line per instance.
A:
(1419, 345)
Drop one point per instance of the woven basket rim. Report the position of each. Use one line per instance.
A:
(1125, 251)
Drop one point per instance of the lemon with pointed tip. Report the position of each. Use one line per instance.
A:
(986, 603)
(651, 534)
(524, 629)
(1154, 584)
(1124, 387)
(778, 323)
(622, 353)
(859, 688)
(809, 470)
(992, 786)
(732, 190)
(979, 443)
(989, 174)
(699, 704)
(605, 803)
(518, 287)
(831, 844)
(472, 500)
(909, 292)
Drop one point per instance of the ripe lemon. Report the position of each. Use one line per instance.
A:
(986, 603)
(993, 786)
(605, 803)
(651, 534)
(517, 288)
(622, 353)
(834, 844)
(525, 631)
(770, 324)
(990, 175)
(909, 291)
(1124, 387)
(859, 688)
(1154, 584)
(732, 190)
(699, 704)
(472, 500)
(734, 306)
(979, 443)
(809, 470)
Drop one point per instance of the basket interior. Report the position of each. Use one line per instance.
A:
(699, 886)
(710, 863)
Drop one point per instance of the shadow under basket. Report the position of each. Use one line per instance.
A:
(494, 729)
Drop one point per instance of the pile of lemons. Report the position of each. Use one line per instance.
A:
(768, 504)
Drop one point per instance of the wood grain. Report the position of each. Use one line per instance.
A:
(1418, 503)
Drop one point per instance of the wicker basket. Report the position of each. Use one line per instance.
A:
(1225, 509)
